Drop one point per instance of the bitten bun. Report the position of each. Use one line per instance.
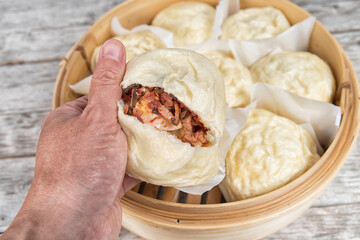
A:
(157, 156)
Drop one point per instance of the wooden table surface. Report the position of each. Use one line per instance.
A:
(35, 35)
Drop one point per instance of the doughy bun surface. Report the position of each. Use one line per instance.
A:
(134, 43)
(191, 22)
(159, 157)
(237, 78)
(268, 152)
(301, 73)
(254, 23)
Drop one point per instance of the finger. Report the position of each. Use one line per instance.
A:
(68, 110)
(105, 88)
(128, 183)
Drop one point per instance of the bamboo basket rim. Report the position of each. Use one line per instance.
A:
(297, 191)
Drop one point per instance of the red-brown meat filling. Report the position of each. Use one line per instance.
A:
(163, 111)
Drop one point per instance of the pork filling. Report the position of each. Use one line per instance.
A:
(164, 112)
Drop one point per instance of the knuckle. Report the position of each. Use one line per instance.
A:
(47, 120)
(108, 74)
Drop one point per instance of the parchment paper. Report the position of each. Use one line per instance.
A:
(296, 38)
(166, 36)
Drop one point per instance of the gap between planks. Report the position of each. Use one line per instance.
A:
(20, 62)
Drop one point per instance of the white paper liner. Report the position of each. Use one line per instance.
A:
(224, 9)
(83, 86)
(296, 38)
(323, 117)
(166, 36)
(210, 45)
(224, 146)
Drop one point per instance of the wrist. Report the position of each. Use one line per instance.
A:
(43, 218)
(23, 227)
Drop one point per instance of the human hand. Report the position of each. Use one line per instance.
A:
(80, 164)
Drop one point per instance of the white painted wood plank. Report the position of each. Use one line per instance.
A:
(323, 223)
(345, 188)
(335, 15)
(40, 31)
(27, 87)
(38, 45)
(127, 235)
(19, 133)
(43, 14)
(15, 179)
(350, 41)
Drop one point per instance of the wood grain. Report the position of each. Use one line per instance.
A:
(350, 41)
(323, 223)
(28, 33)
(22, 139)
(37, 45)
(43, 14)
(331, 13)
(15, 179)
(27, 87)
(35, 35)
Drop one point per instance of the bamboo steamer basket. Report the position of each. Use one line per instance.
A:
(155, 212)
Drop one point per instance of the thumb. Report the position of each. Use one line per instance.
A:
(105, 88)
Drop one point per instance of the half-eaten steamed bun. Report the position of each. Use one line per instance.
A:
(173, 114)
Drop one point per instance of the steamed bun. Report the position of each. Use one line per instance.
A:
(237, 78)
(159, 157)
(134, 43)
(191, 22)
(269, 152)
(254, 23)
(301, 73)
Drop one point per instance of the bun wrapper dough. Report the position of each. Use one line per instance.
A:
(191, 22)
(269, 152)
(157, 156)
(237, 78)
(134, 43)
(301, 73)
(254, 23)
